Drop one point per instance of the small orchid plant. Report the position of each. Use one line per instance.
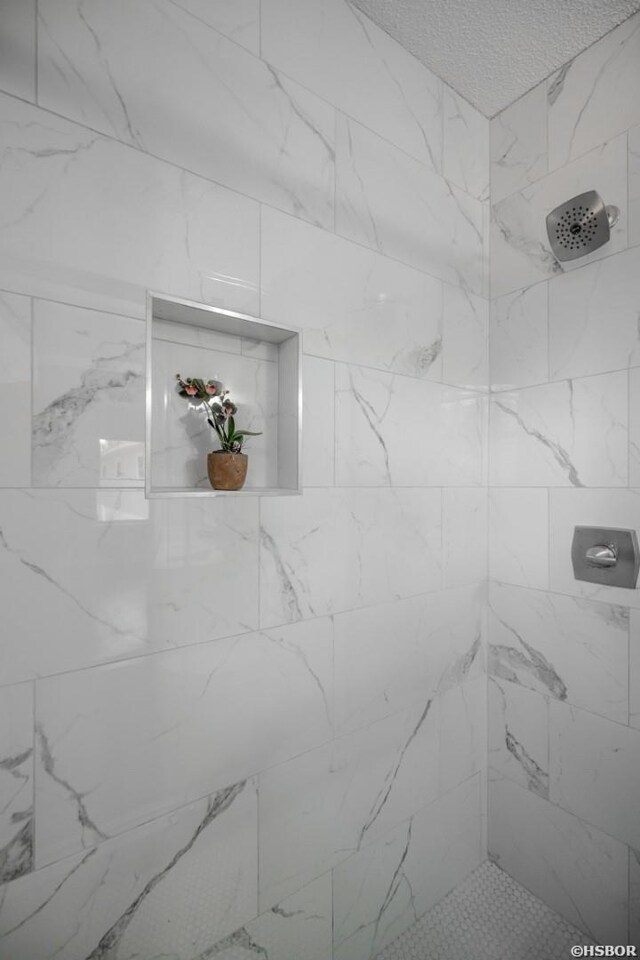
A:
(220, 410)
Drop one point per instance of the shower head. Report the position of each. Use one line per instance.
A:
(580, 225)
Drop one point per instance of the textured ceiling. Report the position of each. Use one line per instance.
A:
(493, 51)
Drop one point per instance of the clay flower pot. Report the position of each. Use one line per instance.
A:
(227, 471)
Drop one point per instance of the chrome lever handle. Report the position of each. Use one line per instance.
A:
(602, 555)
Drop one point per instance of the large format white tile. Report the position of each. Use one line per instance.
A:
(634, 186)
(518, 338)
(173, 887)
(90, 221)
(352, 304)
(594, 770)
(592, 98)
(386, 887)
(569, 433)
(399, 431)
(466, 146)
(518, 735)
(464, 535)
(237, 19)
(338, 52)
(520, 249)
(392, 655)
(396, 205)
(300, 926)
(593, 317)
(16, 781)
(187, 722)
(321, 807)
(465, 334)
(333, 550)
(100, 575)
(318, 437)
(462, 720)
(594, 508)
(562, 647)
(88, 398)
(215, 110)
(576, 869)
(518, 537)
(15, 391)
(519, 144)
(18, 48)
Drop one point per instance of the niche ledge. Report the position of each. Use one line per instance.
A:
(258, 361)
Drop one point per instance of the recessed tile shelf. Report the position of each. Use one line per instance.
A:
(258, 361)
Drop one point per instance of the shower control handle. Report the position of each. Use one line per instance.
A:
(602, 555)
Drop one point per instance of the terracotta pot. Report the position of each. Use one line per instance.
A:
(227, 471)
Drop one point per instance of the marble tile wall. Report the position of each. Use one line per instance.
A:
(563, 655)
(217, 714)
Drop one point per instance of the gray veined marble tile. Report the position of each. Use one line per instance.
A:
(391, 655)
(593, 97)
(519, 144)
(16, 781)
(593, 318)
(333, 550)
(464, 535)
(375, 412)
(270, 692)
(319, 808)
(562, 647)
(159, 577)
(353, 304)
(318, 440)
(518, 338)
(395, 205)
(15, 390)
(518, 536)
(217, 110)
(604, 790)
(337, 51)
(518, 736)
(300, 926)
(237, 19)
(88, 398)
(568, 433)
(177, 885)
(466, 146)
(465, 337)
(386, 887)
(575, 868)
(160, 228)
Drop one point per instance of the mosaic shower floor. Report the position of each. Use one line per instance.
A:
(488, 917)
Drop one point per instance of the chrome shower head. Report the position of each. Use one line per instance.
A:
(580, 225)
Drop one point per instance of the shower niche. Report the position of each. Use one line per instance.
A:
(259, 362)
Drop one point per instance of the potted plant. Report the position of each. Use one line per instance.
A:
(227, 467)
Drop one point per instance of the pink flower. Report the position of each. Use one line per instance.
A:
(191, 391)
(211, 389)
